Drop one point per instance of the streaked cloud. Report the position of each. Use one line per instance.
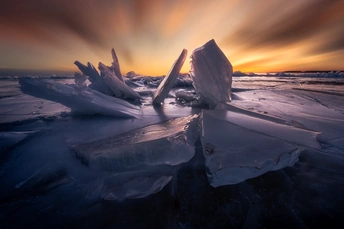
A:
(148, 35)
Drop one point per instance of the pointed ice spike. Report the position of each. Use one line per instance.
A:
(168, 82)
(115, 65)
(97, 81)
(212, 73)
(88, 70)
(119, 88)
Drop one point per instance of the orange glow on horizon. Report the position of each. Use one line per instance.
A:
(148, 35)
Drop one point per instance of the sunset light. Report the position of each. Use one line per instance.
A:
(148, 35)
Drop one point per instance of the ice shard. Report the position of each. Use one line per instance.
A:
(167, 143)
(84, 100)
(237, 147)
(115, 65)
(168, 82)
(211, 72)
(97, 82)
(118, 87)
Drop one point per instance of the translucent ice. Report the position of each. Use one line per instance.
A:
(115, 65)
(169, 81)
(167, 143)
(238, 147)
(118, 87)
(84, 100)
(212, 74)
(97, 82)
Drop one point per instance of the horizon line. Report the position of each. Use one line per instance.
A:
(39, 72)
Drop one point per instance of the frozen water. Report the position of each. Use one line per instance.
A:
(167, 143)
(115, 65)
(169, 81)
(118, 87)
(8, 140)
(43, 183)
(134, 186)
(238, 147)
(83, 100)
(97, 82)
(211, 73)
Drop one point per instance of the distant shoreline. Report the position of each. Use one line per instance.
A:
(314, 71)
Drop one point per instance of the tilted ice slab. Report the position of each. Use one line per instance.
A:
(169, 81)
(237, 147)
(83, 100)
(118, 87)
(167, 143)
(211, 73)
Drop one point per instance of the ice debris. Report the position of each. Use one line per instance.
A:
(212, 73)
(118, 87)
(85, 100)
(167, 143)
(169, 81)
(97, 82)
(115, 65)
(237, 147)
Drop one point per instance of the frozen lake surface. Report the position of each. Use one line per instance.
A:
(48, 182)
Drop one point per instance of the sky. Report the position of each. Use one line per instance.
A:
(149, 35)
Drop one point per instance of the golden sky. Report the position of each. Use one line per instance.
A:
(148, 35)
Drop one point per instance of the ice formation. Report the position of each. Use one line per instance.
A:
(97, 82)
(167, 143)
(211, 73)
(238, 143)
(115, 65)
(133, 186)
(83, 99)
(237, 147)
(118, 87)
(169, 81)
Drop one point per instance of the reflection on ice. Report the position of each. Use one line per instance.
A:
(238, 147)
(167, 143)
